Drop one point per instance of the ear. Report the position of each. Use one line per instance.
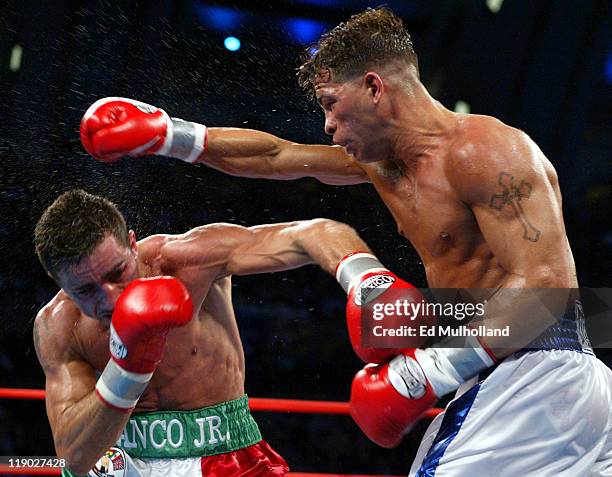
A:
(132, 238)
(375, 86)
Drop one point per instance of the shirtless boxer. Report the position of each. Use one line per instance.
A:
(176, 405)
(481, 205)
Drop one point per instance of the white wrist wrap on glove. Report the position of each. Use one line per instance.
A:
(447, 368)
(353, 267)
(120, 388)
(407, 377)
(185, 140)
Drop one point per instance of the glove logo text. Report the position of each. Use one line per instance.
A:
(117, 348)
(372, 287)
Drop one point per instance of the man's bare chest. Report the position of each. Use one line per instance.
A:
(184, 344)
(429, 215)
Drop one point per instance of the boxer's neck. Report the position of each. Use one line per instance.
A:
(422, 128)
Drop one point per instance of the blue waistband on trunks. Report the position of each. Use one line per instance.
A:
(568, 333)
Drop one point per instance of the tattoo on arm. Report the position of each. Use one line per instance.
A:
(511, 194)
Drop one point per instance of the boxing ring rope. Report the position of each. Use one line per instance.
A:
(256, 404)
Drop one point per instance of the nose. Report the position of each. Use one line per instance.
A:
(330, 125)
(109, 293)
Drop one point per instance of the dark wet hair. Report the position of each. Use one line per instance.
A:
(73, 226)
(367, 39)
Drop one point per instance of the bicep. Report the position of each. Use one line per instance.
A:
(68, 379)
(266, 248)
(217, 250)
(521, 220)
(329, 164)
(67, 382)
(507, 182)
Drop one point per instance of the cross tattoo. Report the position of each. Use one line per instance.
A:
(512, 195)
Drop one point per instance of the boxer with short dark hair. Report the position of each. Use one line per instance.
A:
(481, 205)
(141, 348)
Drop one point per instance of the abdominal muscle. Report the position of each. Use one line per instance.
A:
(202, 366)
(478, 271)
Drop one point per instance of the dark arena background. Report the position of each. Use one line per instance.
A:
(542, 66)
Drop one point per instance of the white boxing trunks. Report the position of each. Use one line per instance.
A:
(539, 413)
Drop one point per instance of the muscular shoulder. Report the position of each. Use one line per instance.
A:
(54, 331)
(483, 149)
(484, 140)
(204, 246)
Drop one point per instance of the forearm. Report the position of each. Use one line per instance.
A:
(256, 154)
(246, 153)
(326, 242)
(86, 430)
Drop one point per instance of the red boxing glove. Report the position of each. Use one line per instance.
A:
(388, 399)
(367, 281)
(144, 314)
(115, 127)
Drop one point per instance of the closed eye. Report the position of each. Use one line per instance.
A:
(115, 275)
(85, 290)
(326, 102)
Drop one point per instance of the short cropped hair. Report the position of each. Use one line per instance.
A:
(366, 40)
(73, 226)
